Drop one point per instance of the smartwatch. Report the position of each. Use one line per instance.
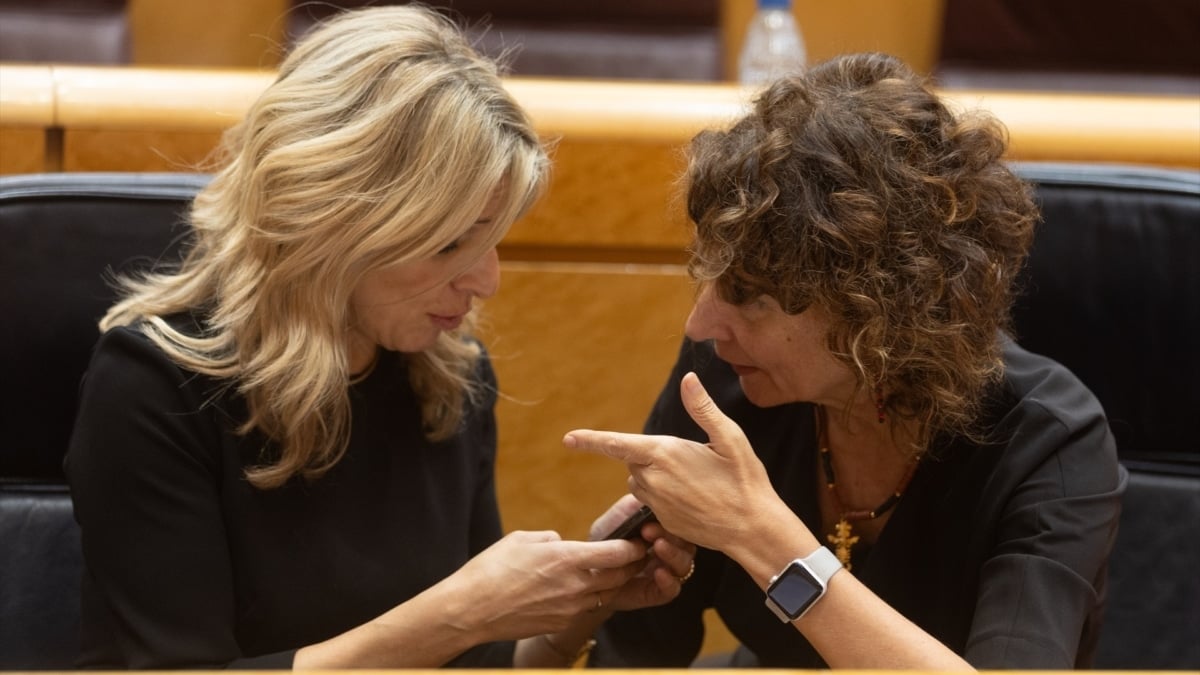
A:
(797, 588)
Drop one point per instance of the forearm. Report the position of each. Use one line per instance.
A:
(426, 632)
(559, 650)
(849, 626)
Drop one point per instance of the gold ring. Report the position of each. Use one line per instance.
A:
(691, 570)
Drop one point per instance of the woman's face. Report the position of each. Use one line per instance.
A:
(405, 307)
(778, 357)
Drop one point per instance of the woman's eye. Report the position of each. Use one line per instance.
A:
(450, 248)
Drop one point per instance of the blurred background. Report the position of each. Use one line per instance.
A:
(1100, 45)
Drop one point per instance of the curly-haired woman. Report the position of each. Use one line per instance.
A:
(284, 452)
(878, 476)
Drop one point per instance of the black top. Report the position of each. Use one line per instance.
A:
(187, 564)
(998, 550)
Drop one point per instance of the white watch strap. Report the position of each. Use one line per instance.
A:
(823, 564)
(820, 565)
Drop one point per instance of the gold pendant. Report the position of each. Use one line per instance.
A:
(843, 540)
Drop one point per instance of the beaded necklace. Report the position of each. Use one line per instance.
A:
(843, 537)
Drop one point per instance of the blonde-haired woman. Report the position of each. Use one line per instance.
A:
(285, 447)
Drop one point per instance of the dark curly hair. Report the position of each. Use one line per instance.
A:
(853, 188)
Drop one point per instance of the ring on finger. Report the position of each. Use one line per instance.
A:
(691, 570)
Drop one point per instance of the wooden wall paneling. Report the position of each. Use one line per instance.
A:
(576, 345)
(26, 118)
(618, 195)
(910, 30)
(22, 150)
(211, 34)
(134, 150)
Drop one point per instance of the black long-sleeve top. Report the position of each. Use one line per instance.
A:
(188, 565)
(998, 550)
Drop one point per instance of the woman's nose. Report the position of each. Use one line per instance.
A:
(482, 278)
(704, 322)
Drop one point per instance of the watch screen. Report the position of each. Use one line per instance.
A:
(795, 590)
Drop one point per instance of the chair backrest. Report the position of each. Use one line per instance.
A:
(65, 31)
(1088, 45)
(626, 39)
(62, 238)
(1112, 291)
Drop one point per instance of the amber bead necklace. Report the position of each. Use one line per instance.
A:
(843, 537)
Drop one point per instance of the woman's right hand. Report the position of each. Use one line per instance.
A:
(670, 563)
(530, 583)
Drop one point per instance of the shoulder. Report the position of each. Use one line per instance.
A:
(1046, 419)
(126, 353)
(1041, 386)
(127, 368)
(138, 408)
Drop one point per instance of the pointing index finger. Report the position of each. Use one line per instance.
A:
(628, 448)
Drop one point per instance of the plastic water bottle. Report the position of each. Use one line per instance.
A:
(773, 45)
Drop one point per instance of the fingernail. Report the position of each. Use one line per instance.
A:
(569, 441)
(692, 382)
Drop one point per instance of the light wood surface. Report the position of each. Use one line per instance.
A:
(177, 33)
(662, 116)
(27, 95)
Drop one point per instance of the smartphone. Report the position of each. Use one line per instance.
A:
(632, 527)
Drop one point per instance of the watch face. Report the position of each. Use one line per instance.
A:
(795, 590)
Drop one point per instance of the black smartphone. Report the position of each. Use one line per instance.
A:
(632, 527)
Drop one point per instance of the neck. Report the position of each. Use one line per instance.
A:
(863, 483)
(362, 363)
(858, 435)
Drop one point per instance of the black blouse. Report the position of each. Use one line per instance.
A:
(998, 550)
(188, 565)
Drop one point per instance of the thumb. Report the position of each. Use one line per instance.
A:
(534, 537)
(721, 430)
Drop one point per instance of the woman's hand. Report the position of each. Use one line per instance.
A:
(704, 493)
(530, 583)
(662, 576)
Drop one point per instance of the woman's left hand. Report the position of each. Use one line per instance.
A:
(666, 570)
(705, 493)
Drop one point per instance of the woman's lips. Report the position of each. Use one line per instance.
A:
(447, 322)
(743, 371)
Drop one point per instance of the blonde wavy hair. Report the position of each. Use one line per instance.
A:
(380, 142)
(853, 188)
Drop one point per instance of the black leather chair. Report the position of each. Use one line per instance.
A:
(65, 31)
(1113, 292)
(62, 236)
(1071, 45)
(623, 39)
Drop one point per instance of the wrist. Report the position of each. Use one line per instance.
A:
(461, 616)
(569, 657)
(776, 537)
